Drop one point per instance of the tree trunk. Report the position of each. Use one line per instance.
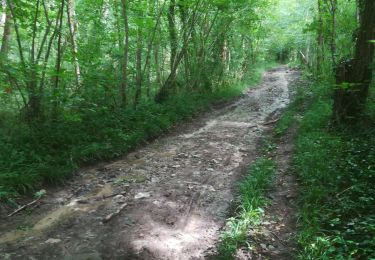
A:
(3, 12)
(148, 81)
(165, 89)
(333, 30)
(73, 41)
(172, 32)
(124, 82)
(6, 33)
(183, 17)
(157, 65)
(59, 56)
(139, 73)
(34, 95)
(320, 39)
(356, 74)
(151, 41)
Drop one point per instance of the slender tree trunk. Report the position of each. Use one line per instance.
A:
(3, 12)
(34, 95)
(333, 30)
(228, 55)
(33, 106)
(120, 46)
(148, 81)
(157, 65)
(151, 41)
(183, 16)
(172, 32)
(5, 42)
(59, 56)
(245, 54)
(49, 48)
(124, 82)
(320, 39)
(166, 88)
(349, 102)
(18, 36)
(359, 6)
(156, 51)
(139, 73)
(73, 41)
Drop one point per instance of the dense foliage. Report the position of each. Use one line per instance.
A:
(334, 152)
(82, 80)
(337, 193)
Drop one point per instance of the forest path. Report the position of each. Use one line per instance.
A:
(166, 200)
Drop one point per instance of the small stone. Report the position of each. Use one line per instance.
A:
(53, 241)
(263, 246)
(156, 203)
(120, 199)
(142, 195)
(155, 179)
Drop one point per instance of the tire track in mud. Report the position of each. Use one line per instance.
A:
(177, 190)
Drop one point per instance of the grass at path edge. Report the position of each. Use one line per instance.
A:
(252, 201)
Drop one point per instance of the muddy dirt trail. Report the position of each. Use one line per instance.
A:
(166, 200)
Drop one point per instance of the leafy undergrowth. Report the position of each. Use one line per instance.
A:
(252, 200)
(337, 174)
(49, 152)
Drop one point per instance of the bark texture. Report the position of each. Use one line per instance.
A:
(353, 77)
